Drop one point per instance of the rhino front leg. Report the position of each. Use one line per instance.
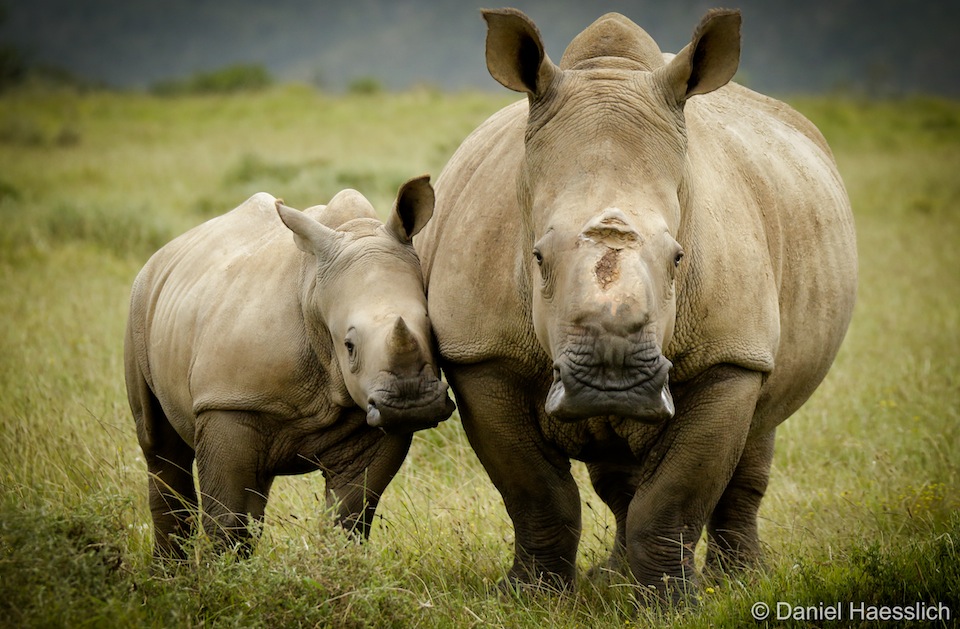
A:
(533, 478)
(233, 482)
(734, 541)
(700, 450)
(358, 473)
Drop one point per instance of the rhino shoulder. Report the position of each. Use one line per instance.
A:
(471, 251)
(487, 158)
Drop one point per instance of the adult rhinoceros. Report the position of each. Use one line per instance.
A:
(644, 267)
(260, 357)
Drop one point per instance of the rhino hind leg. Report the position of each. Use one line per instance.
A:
(534, 479)
(172, 495)
(734, 542)
(234, 485)
(616, 486)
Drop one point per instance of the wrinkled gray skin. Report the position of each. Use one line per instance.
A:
(643, 267)
(260, 352)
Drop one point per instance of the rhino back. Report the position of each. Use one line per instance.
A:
(217, 319)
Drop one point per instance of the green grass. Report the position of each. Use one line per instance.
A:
(864, 499)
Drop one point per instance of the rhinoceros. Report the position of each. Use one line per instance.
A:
(263, 345)
(642, 266)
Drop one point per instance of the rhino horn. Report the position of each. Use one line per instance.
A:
(401, 340)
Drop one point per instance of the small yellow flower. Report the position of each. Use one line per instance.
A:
(710, 590)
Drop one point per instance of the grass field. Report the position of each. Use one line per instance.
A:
(864, 499)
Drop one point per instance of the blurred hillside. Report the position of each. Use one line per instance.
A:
(880, 47)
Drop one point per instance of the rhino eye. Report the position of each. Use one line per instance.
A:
(538, 257)
(677, 258)
(350, 343)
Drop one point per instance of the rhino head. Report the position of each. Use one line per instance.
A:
(364, 301)
(601, 188)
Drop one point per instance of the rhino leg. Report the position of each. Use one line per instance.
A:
(173, 498)
(233, 482)
(703, 446)
(357, 474)
(616, 486)
(734, 541)
(533, 478)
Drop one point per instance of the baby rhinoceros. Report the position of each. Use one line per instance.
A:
(260, 355)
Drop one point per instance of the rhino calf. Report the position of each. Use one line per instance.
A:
(260, 355)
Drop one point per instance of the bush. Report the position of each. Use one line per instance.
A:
(230, 80)
(119, 230)
(365, 85)
(12, 67)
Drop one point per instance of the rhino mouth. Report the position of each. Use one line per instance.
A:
(395, 413)
(611, 377)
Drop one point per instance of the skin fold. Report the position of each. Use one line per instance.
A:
(643, 266)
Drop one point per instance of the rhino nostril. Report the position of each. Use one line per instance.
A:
(556, 374)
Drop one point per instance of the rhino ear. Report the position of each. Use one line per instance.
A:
(310, 235)
(413, 208)
(515, 52)
(711, 58)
